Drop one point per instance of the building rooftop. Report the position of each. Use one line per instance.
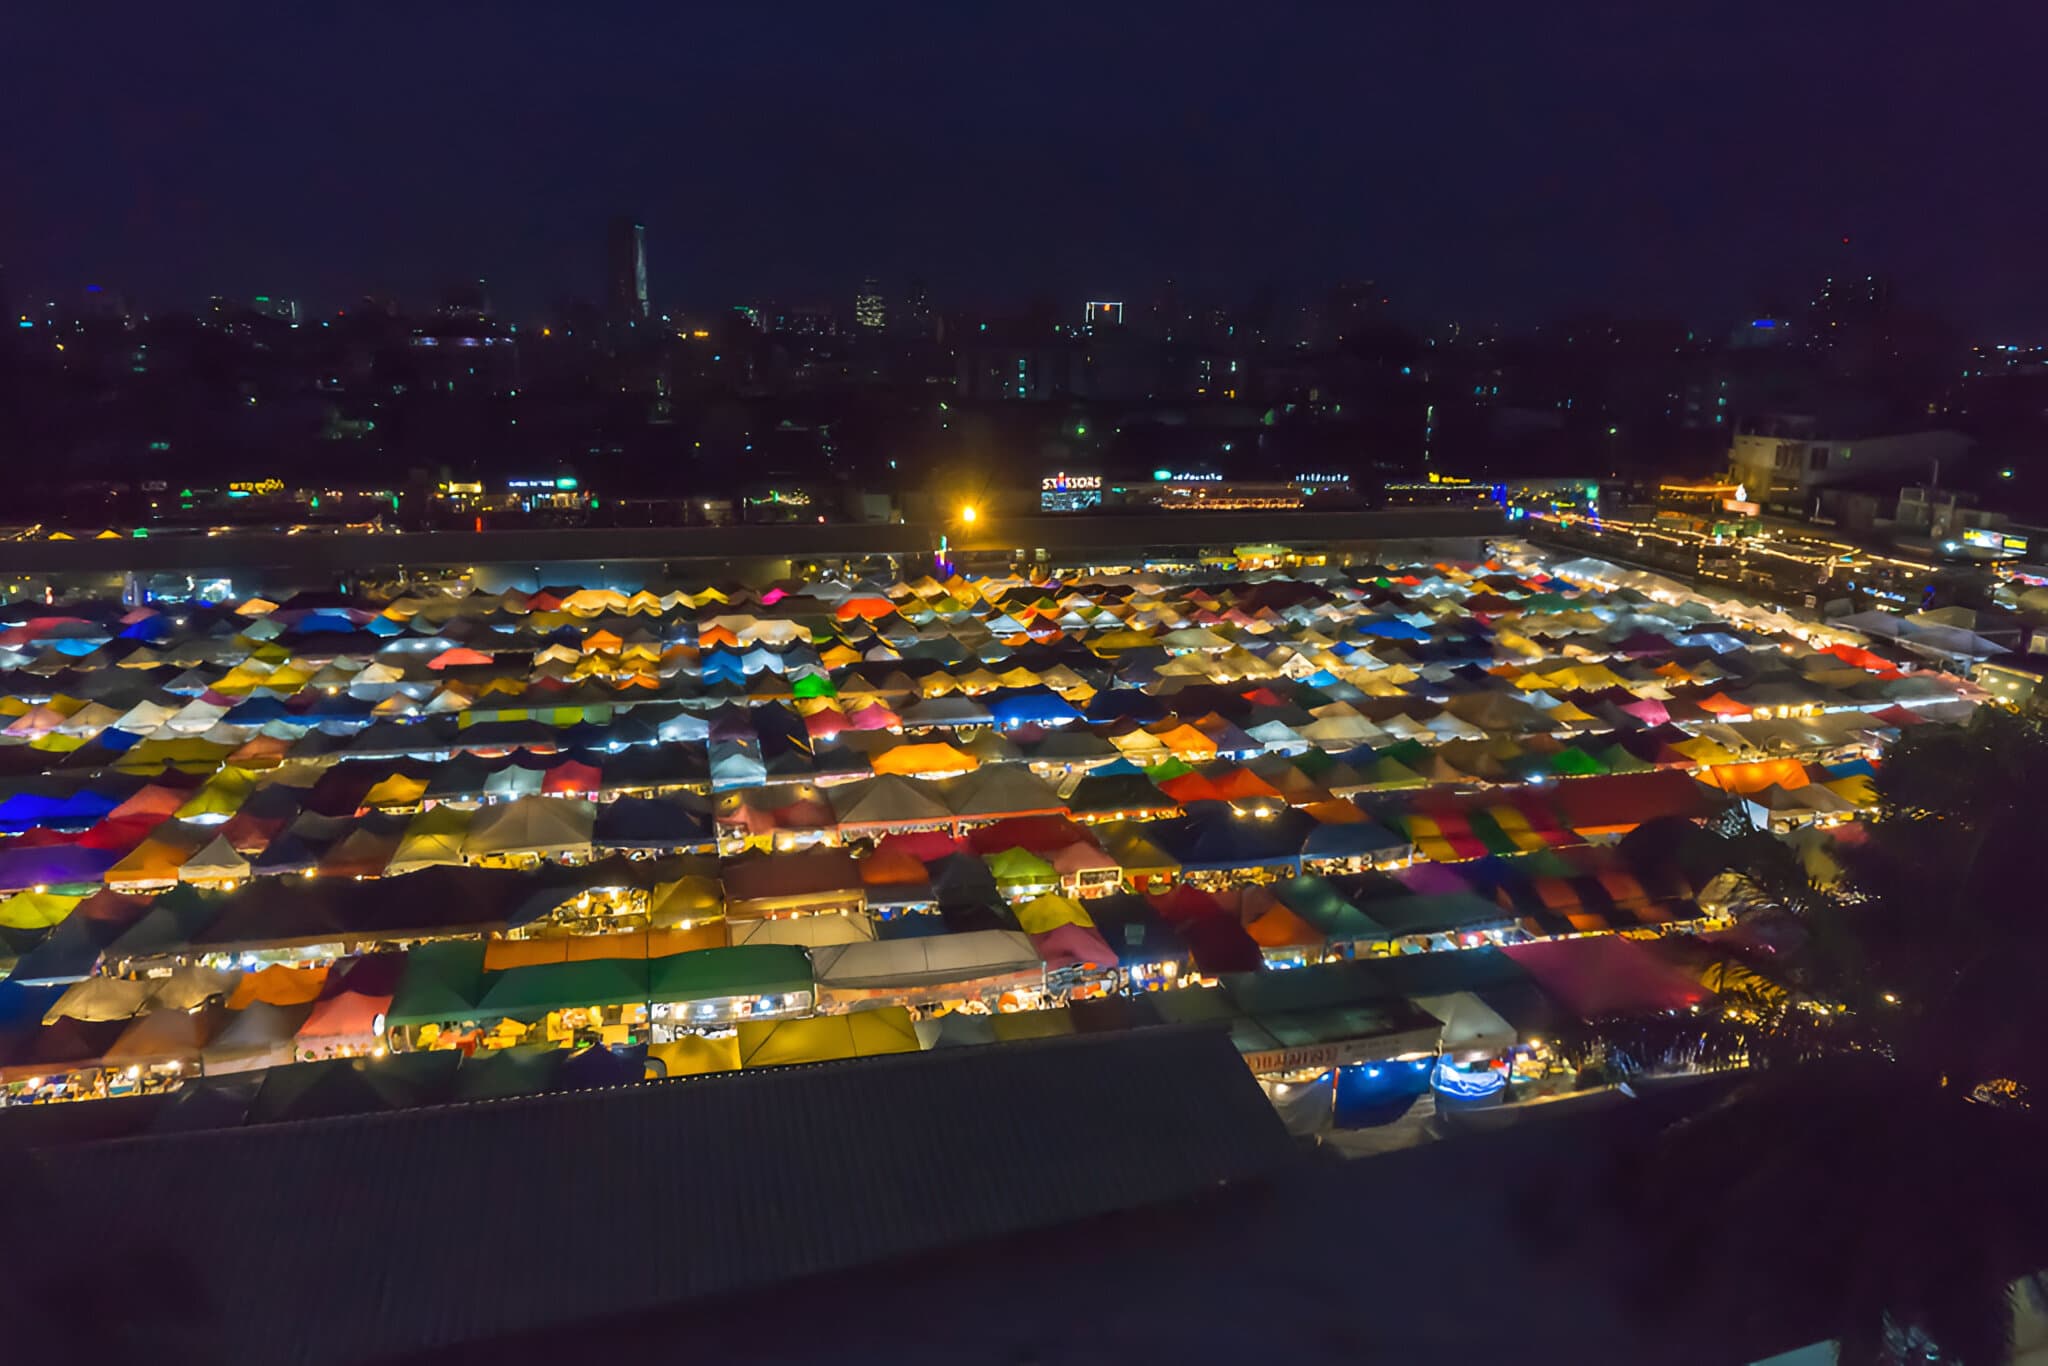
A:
(362, 1238)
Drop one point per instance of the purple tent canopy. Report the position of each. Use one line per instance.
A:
(52, 864)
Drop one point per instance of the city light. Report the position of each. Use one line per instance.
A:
(969, 513)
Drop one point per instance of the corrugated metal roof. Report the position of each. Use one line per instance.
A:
(339, 1240)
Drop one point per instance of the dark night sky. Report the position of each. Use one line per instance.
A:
(1480, 159)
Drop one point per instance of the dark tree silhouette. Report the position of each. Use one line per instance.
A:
(1879, 1174)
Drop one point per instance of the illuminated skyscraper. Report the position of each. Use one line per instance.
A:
(870, 309)
(626, 272)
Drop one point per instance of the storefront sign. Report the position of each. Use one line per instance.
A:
(1297, 1059)
(1983, 538)
(1064, 482)
(256, 487)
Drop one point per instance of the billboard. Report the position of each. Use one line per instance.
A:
(1999, 542)
(1065, 492)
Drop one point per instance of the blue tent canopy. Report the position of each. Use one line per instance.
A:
(1032, 706)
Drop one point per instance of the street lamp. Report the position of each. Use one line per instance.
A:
(969, 513)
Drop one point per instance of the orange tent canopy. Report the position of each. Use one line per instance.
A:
(936, 757)
(278, 986)
(1744, 779)
(867, 609)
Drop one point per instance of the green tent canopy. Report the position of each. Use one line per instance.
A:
(440, 981)
(742, 970)
(529, 992)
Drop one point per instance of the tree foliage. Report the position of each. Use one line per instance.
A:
(1890, 1155)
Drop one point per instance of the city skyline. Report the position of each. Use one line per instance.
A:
(1651, 167)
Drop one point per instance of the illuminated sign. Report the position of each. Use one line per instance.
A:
(564, 484)
(1169, 476)
(256, 487)
(471, 488)
(1322, 478)
(1065, 492)
(1982, 538)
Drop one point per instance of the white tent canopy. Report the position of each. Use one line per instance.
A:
(939, 960)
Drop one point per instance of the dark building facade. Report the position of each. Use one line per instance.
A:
(626, 271)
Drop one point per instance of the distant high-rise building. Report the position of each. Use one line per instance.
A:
(271, 306)
(1351, 310)
(469, 299)
(802, 320)
(1102, 313)
(1846, 308)
(870, 309)
(916, 313)
(626, 272)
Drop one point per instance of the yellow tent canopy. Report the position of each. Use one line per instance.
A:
(1043, 915)
(826, 1038)
(693, 1055)
(35, 910)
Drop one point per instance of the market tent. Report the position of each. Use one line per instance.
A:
(1620, 802)
(1018, 867)
(278, 985)
(803, 931)
(1047, 913)
(827, 1038)
(956, 1029)
(689, 900)
(530, 992)
(218, 862)
(167, 1036)
(1071, 945)
(917, 965)
(1119, 796)
(1604, 976)
(549, 826)
(349, 1018)
(1472, 1028)
(888, 801)
(440, 981)
(259, 1036)
(806, 881)
(36, 910)
(745, 970)
(649, 823)
(930, 759)
(98, 999)
(67, 1046)
(695, 1055)
(1002, 790)
(53, 865)
(433, 838)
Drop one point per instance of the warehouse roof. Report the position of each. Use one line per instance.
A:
(326, 1240)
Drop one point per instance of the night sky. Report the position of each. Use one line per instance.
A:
(1481, 160)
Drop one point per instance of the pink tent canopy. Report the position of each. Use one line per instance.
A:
(1607, 976)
